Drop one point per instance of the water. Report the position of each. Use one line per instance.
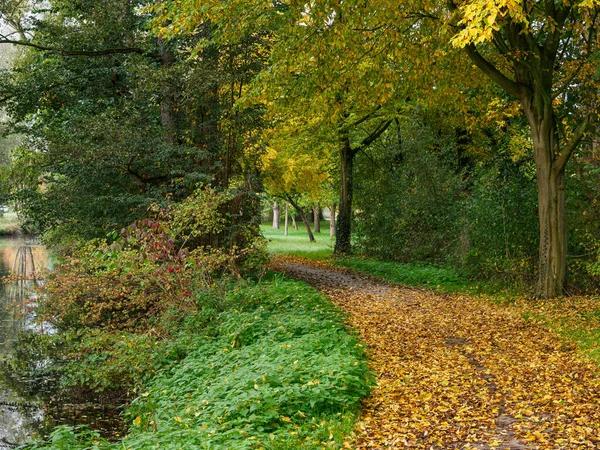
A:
(20, 418)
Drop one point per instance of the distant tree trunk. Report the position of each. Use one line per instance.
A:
(294, 224)
(317, 218)
(286, 226)
(311, 238)
(168, 111)
(344, 222)
(275, 215)
(332, 209)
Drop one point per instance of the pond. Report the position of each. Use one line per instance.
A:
(20, 418)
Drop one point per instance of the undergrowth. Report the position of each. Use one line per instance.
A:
(267, 365)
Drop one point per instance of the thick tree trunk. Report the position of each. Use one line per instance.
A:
(317, 218)
(286, 223)
(332, 209)
(552, 267)
(550, 175)
(553, 233)
(275, 215)
(344, 221)
(311, 237)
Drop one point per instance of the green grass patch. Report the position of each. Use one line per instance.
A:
(296, 243)
(440, 279)
(9, 223)
(275, 368)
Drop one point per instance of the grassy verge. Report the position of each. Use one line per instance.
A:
(440, 279)
(270, 365)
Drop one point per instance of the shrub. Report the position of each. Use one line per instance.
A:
(153, 265)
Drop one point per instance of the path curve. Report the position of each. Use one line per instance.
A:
(456, 372)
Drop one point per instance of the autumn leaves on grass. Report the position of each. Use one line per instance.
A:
(456, 372)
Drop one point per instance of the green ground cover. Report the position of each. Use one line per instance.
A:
(9, 223)
(270, 365)
(296, 243)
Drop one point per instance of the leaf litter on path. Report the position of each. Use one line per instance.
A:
(457, 372)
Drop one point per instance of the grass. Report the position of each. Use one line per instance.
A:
(441, 279)
(445, 280)
(297, 243)
(9, 223)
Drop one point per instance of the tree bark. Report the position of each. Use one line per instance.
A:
(286, 223)
(344, 222)
(317, 218)
(550, 176)
(332, 209)
(311, 237)
(275, 215)
(168, 113)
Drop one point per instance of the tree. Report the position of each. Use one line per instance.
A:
(294, 168)
(116, 118)
(543, 53)
(321, 72)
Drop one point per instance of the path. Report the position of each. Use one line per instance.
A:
(456, 372)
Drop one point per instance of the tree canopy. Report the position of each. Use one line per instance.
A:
(123, 106)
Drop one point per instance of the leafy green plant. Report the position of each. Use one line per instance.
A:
(273, 367)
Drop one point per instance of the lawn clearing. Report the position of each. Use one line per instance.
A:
(297, 243)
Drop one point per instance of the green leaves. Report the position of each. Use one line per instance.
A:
(281, 363)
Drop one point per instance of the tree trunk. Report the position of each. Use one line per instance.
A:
(550, 175)
(275, 215)
(294, 224)
(311, 238)
(286, 223)
(332, 209)
(317, 218)
(168, 111)
(344, 221)
(553, 233)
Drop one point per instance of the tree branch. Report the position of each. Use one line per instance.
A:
(560, 162)
(365, 117)
(492, 72)
(372, 137)
(91, 53)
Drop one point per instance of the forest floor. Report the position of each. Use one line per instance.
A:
(459, 372)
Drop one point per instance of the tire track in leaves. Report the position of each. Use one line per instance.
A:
(456, 372)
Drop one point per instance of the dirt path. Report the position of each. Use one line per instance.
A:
(457, 372)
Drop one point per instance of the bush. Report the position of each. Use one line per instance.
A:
(116, 304)
(501, 220)
(409, 197)
(154, 265)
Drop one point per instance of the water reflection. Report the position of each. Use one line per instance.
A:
(20, 418)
